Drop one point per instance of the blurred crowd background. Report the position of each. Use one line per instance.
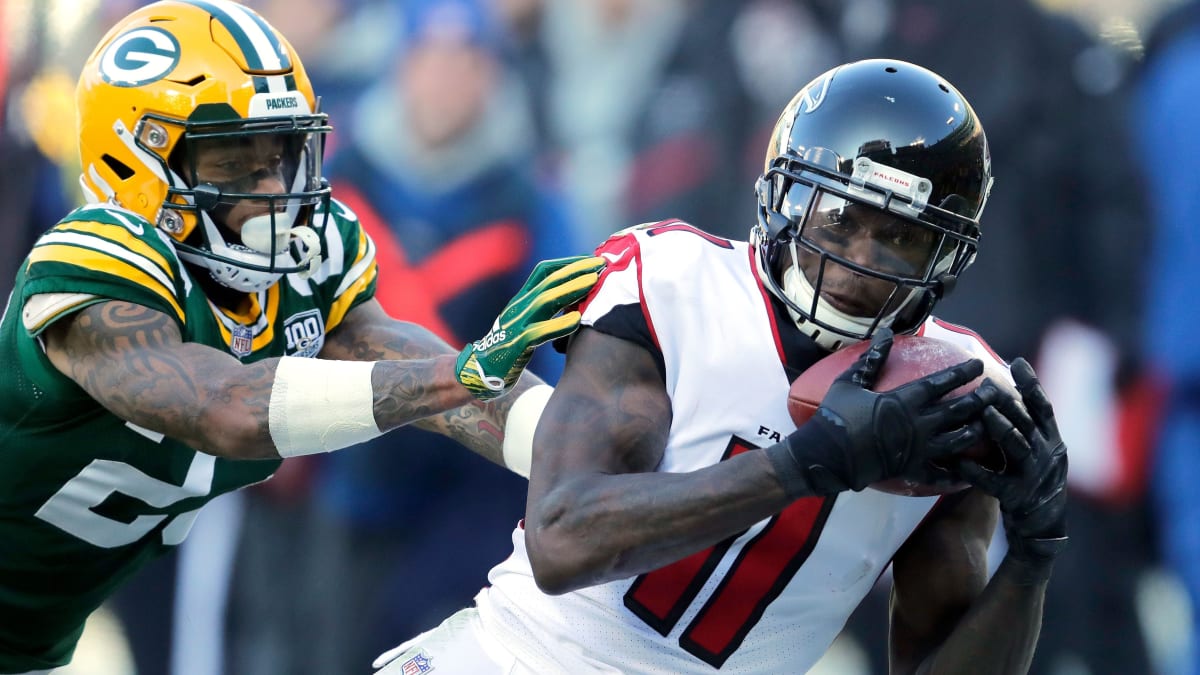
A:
(474, 137)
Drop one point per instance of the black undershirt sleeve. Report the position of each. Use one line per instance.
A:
(627, 322)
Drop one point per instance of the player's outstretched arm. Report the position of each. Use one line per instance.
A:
(134, 362)
(942, 627)
(369, 334)
(488, 368)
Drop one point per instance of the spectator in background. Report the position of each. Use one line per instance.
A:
(658, 110)
(1068, 213)
(605, 59)
(686, 134)
(439, 161)
(31, 187)
(348, 43)
(695, 143)
(525, 55)
(1164, 129)
(461, 173)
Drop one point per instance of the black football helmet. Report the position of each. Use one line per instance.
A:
(869, 204)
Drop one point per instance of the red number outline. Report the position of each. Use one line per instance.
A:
(660, 598)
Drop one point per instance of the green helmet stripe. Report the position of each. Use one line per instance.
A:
(258, 41)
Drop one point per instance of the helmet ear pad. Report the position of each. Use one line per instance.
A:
(769, 204)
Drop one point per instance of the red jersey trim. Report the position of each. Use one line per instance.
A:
(767, 304)
(621, 252)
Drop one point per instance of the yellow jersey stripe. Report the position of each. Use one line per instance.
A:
(124, 237)
(272, 313)
(338, 310)
(102, 262)
(364, 258)
(80, 241)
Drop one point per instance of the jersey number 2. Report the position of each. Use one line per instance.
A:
(70, 509)
(756, 577)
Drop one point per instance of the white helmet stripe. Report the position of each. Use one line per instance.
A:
(263, 51)
(99, 182)
(151, 162)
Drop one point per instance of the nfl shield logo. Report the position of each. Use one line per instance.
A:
(241, 342)
(417, 665)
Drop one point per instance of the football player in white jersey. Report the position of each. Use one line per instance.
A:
(678, 522)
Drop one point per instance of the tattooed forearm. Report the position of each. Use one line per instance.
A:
(474, 425)
(368, 334)
(406, 391)
(132, 360)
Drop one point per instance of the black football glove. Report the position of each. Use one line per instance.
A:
(1032, 489)
(857, 436)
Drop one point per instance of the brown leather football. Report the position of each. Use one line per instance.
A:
(911, 357)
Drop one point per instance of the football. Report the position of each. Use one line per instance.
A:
(911, 357)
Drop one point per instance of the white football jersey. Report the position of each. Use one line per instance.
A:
(770, 600)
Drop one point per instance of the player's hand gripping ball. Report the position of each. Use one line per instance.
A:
(912, 357)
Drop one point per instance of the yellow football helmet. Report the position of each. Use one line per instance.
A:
(178, 79)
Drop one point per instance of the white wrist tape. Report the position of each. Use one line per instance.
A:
(519, 426)
(320, 405)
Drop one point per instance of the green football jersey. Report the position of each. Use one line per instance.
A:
(85, 497)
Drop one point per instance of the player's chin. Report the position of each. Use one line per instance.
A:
(858, 305)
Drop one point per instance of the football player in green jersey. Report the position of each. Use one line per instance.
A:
(208, 313)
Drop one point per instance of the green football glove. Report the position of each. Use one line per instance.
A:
(488, 368)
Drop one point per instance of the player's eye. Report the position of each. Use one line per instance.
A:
(906, 236)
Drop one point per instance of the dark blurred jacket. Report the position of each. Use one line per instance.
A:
(688, 139)
(1065, 229)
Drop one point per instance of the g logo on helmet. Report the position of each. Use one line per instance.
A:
(141, 56)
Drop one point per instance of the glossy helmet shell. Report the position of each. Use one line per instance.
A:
(848, 133)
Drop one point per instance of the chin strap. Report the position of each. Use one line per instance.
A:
(311, 253)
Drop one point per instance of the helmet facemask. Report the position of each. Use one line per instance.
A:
(247, 200)
(850, 250)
